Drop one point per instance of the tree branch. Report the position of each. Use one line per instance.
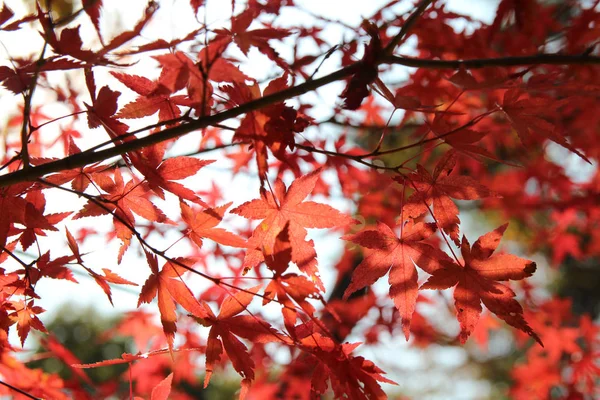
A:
(476, 63)
(80, 160)
(410, 21)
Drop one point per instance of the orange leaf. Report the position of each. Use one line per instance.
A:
(400, 254)
(286, 208)
(476, 282)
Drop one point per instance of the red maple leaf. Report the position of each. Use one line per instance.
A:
(400, 254)
(161, 175)
(286, 208)
(5, 14)
(163, 389)
(357, 88)
(171, 289)
(122, 199)
(18, 209)
(35, 220)
(476, 282)
(228, 326)
(26, 317)
(70, 41)
(92, 9)
(196, 4)
(272, 127)
(350, 376)
(202, 225)
(56, 268)
(140, 325)
(289, 289)
(531, 118)
(103, 109)
(258, 38)
(437, 189)
(153, 98)
(109, 276)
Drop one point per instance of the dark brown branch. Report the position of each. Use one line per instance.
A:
(410, 21)
(81, 159)
(475, 63)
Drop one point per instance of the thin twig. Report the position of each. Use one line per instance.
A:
(410, 21)
(20, 391)
(28, 98)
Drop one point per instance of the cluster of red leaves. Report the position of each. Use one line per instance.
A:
(487, 136)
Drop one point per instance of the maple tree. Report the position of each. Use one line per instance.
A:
(375, 140)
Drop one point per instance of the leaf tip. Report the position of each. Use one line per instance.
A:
(530, 268)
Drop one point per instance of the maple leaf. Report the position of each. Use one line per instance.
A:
(170, 288)
(163, 389)
(26, 317)
(17, 209)
(437, 189)
(5, 14)
(529, 117)
(288, 289)
(543, 374)
(54, 269)
(141, 327)
(73, 245)
(103, 108)
(271, 127)
(161, 175)
(122, 199)
(178, 72)
(227, 326)
(35, 220)
(398, 254)
(286, 208)
(153, 98)
(357, 88)
(476, 282)
(463, 139)
(19, 79)
(92, 9)
(550, 321)
(202, 225)
(196, 4)
(70, 41)
(109, 276)
(351, 377)
(258, 38)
